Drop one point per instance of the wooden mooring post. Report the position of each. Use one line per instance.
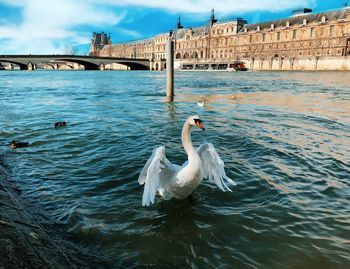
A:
(170, 69)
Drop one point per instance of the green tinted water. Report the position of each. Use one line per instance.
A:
(284, 137)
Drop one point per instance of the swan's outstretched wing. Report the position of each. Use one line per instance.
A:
(156, 167)
(213, 166)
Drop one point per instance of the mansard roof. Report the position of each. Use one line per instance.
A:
(196, 31)
(299, 19)
(138, 41)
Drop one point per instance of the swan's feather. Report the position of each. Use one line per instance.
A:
(213, 167)
(150, 175)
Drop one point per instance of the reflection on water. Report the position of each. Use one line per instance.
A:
(316, 104)
(284, 137)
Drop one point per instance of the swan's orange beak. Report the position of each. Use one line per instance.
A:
(200, 125)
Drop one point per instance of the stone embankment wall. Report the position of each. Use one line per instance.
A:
(336, 63)
(25, 242)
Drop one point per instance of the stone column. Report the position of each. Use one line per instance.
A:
(151, 63)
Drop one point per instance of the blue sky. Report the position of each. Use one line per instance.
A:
(57, 26)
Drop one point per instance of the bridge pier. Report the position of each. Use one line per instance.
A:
(30, 67)
(102, 67)
(151, 64)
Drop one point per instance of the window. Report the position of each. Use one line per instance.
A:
(263, 37)
(331, 30)
(250, 39)
(278, 36)
(312, 32)
(294, 34)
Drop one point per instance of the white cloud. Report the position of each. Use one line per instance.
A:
(220, 6)
(131, 33)
(46, 25)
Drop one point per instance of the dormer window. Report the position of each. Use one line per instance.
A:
(294, 34)
(258, 28)
(312, 32)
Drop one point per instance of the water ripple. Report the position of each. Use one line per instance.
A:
(284, 138)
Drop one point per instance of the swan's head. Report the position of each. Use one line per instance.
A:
(196, 121)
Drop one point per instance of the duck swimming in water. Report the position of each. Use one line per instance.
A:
(161, 176)
(60, 124)
(15, 144)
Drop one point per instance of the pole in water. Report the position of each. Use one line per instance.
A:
(170, 68)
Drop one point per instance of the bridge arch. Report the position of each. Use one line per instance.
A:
(22, 66)
(88, 65)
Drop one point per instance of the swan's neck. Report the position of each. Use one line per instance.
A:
(187, 142)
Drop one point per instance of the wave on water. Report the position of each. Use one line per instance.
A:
(283, 137)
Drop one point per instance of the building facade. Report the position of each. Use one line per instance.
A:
(304, 41)
(98, 42)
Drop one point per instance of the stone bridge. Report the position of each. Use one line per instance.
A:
(29, 62)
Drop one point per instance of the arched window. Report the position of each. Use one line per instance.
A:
(186, 55)
(178, 55)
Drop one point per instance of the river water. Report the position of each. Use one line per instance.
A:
(284, 137)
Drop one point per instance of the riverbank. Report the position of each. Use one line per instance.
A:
(27, 242)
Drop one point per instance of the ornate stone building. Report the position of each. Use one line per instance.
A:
(304, 41)
(98, 41)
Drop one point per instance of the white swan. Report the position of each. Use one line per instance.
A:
(200, 103)
(174, 181)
